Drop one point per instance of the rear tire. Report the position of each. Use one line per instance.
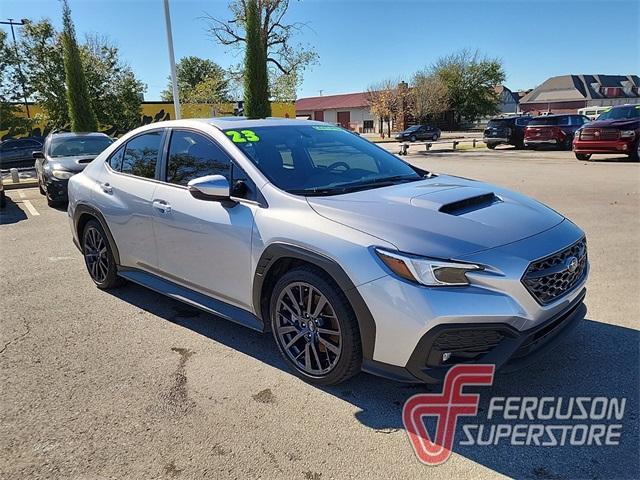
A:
(583, 156)
(98, 256)
(435, 137)
(635, 156)
(315, 327)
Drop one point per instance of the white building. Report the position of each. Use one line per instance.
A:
(350, 110)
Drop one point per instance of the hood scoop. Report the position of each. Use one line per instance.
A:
(466, 205)
(85, 160)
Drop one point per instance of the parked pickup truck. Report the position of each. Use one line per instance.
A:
(615, 131)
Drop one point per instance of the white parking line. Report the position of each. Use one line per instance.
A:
(21, 193)
(31, 208)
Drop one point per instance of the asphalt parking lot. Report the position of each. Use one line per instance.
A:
(129, 384)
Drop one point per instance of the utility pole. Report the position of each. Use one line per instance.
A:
(172, 60)
(15, 47)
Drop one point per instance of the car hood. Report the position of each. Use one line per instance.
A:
(444, 216)
(72, 164)
(630, 123)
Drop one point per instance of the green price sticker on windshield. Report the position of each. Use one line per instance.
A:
(242, 136)
(328, 127)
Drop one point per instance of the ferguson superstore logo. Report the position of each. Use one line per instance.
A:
(517, 421)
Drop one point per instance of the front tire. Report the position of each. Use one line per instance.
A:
(491, 146)
(314, 327)
(635, 155)
(583, 156)
(98, 256)
(412, 138)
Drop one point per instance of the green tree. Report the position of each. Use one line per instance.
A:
(43, 66)
(11, 117)
(430, 96)
(256, 79)
(115, 92)
(193, 73)
(81, 114)
(286, 59)
(470, 79)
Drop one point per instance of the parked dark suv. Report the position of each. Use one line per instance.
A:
(615, 131)
(553, 130)
(18, 152)
(64, 155)
(507, 130)
(419, 132)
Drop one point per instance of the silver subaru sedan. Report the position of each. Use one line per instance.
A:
(352, 258)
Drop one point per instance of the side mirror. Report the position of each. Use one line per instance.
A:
(211, 187)
(37, 154)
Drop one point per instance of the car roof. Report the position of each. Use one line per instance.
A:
(78, 134)
(224, 123)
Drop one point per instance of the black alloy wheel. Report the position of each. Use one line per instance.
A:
(314, 327)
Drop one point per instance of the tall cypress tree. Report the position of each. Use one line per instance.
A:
(81, 114)
(256, 78)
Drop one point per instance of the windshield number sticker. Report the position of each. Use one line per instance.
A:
(242, 136)
(322, 127)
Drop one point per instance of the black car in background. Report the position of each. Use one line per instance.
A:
(18, 152)
(64, 155)
(419, 132)
(506, 130)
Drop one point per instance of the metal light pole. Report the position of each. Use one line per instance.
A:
(15, 47)
(172, 60)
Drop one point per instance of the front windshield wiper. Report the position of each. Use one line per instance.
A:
(354, 187)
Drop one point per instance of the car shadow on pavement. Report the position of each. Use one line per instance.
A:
(596, 360)
(11, 213)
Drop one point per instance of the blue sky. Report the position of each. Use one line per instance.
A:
(361, 42)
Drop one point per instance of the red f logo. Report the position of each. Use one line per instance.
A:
(447, 406)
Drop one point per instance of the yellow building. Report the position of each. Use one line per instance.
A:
(159, 111)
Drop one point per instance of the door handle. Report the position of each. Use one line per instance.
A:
(106, 187)
(161, 205)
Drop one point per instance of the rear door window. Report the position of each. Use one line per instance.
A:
(192, 155)
(544, 121)
(141, 155)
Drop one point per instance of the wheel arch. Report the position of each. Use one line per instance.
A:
(278, 258)
(81, 215)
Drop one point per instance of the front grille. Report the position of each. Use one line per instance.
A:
(599, 134)
(551, 277)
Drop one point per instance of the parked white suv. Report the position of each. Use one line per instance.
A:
(353, 258)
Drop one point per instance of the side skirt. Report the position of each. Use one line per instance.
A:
(193, 298)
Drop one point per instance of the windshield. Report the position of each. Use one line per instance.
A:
(320, 159)
(621, 113)
(544, 121)
(413, 128)
(498, 123)
(78, 146)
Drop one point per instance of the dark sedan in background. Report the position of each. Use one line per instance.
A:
(18, 152)
(419, 132)
(64, 155)
(506, 130)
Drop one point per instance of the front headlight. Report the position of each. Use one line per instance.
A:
(427, 271)
(61, 174)
(627, 134)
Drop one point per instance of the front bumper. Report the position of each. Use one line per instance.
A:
(546, 141)
(493, 320)
(495, 140)
(500, 344)
(603, 146)
(57, 189)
